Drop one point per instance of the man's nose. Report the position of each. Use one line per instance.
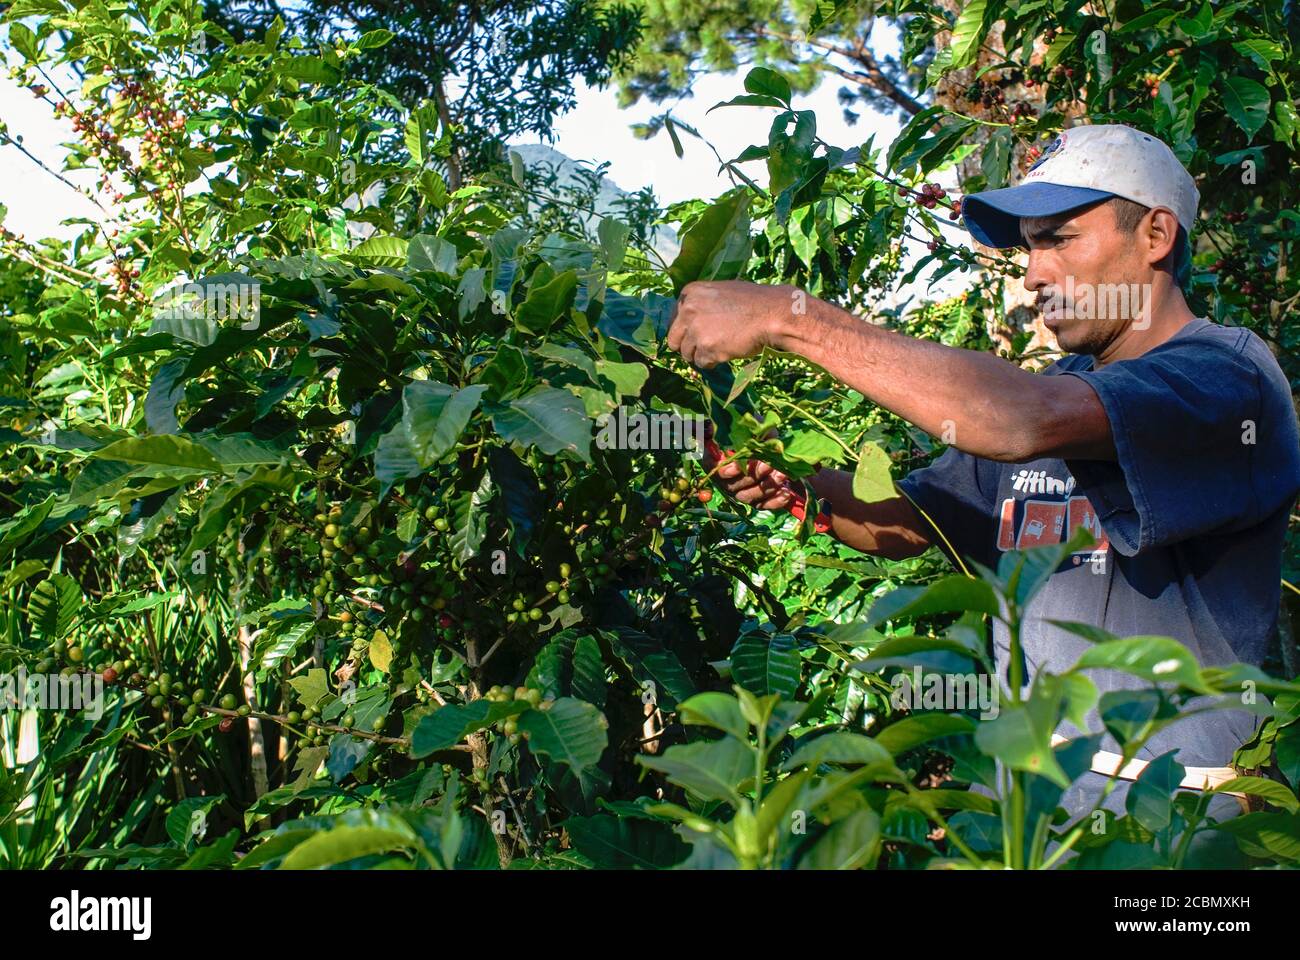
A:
(1037, 275)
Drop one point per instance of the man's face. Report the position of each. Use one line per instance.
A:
(1086, 273)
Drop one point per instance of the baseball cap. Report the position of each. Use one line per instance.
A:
(1081, 166)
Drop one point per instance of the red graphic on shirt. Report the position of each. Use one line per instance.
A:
(1082, 514)
(1051, 521)
(1007, 525)
(1042, 524)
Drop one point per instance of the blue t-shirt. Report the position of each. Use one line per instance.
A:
(1190, 519)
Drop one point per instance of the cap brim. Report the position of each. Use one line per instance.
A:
(993, 217)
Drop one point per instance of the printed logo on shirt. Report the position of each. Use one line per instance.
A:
(1046, 512)
(1038, 481)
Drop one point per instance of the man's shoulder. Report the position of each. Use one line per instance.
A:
(1200, 343)
(1206, 337)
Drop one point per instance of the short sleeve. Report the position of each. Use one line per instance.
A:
(957, 493)
(1186, 421)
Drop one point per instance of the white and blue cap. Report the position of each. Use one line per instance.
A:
(1080, 167)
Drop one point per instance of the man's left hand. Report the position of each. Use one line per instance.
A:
(719, 320)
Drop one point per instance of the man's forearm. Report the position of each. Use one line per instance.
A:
(889, 528)
(981, 404)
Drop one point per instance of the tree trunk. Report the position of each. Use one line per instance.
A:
(444, 115)
(256, 742)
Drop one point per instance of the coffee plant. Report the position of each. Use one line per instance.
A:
(343, 484)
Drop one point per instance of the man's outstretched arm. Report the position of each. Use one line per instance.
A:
(990, 407)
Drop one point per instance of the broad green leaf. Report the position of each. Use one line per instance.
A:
(850, 844)
(309, 69)
(765, 664)
(911, 732)
(382, 251)
(814, 448)
(654, 664)
(790, 155)
(617, 843)
(902, 650)
(435, 415)
(571, 732)
(160, 451)
(1019, 739)
(1156, 659)
(15, 532)
(628, 378)
(313, 686)
(917, 127)
(838, 746)
(872, 478)
(454, 722)
(996, 158)
(373, 38)
(953, 594)
(1266, 835)
(715, 710)
(968, 32)
(768, 83)
(1247, 102)
(420, 126)
(1270, 790)
(53, 605)
(613, 236)
(20, 572)
(24, 40)
(547, 303)
(184, 818)
(521, 493)
(711, 769)
(548, 418)
(589, 682)
(716, 245)
(345, 843)
(1150, 798)
(432, 253)
(280, 642)
(469, 519)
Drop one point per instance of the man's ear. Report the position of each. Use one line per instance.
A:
(1157, 234)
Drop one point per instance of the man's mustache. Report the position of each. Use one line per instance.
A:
(1056, 300)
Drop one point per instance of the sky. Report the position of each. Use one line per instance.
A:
(596, 130)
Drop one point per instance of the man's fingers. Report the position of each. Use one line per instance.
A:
(730, 470)
(687, 347)
(778, 501)
(676, 331)
(753, 496)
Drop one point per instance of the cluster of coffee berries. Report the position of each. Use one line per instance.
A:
(985, 93)
(1250, 280)
(530, 695)
(672, 497)
(124, 276)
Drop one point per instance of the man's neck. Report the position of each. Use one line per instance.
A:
(1169, 313)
